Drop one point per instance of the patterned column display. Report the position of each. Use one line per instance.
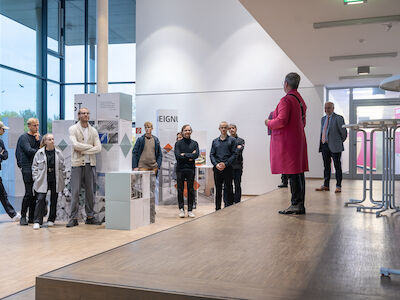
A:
(11, 174)
(167, 128)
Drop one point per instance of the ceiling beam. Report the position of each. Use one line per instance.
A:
(363, 56)
(350, 22)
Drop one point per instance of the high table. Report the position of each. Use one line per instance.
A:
(388, 127)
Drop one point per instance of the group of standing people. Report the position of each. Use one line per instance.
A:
(43, 169)
(288, 147)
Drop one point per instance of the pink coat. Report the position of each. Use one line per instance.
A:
(288, 149)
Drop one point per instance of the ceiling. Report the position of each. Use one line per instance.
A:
(290, 24)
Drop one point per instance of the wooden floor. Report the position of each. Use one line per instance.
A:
(243, 252)
(27, 253)
(248, 251)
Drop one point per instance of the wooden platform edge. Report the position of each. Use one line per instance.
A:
(65, 289)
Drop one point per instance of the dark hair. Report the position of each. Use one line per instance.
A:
(293, 80)
(184, 126)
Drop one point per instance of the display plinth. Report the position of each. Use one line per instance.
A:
(130, 201)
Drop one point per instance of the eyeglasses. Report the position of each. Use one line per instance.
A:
(84, 113)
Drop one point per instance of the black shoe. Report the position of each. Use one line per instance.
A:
(23, 221)
(72, 223)
(92, 221)
(30, 221)
(282, 185)
(293, 209)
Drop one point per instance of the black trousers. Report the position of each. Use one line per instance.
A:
(284, 179)
(4, 200)
(297, 188)
(41, 204)
(188, 176)
(237, 181)
(327, 156)
(223, 177)
(29, 200)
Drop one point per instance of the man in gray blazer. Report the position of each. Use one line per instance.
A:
(331, 145)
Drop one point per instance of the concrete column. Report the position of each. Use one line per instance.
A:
(102, 46)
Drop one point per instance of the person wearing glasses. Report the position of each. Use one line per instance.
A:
(27, 146)
(223, 153)
(85, 144)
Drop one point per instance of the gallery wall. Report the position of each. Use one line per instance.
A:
(212, 61)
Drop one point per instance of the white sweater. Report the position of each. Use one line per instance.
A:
(91, 147)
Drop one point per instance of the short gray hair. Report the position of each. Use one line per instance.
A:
(293, 80)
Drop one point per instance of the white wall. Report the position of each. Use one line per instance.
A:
(212, 61)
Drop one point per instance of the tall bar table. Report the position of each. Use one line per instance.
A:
(388, 127)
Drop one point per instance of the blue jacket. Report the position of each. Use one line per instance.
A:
(138, 149)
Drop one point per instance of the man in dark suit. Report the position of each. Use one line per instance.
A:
(331, 145)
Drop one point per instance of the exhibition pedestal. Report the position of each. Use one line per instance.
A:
(130, 201)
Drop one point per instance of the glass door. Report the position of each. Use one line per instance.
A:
(372, 110)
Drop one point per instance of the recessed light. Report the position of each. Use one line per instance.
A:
(350, 2)
(364, 70)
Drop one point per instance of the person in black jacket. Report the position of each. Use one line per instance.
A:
(237, 165)
(3, 194)
(222, 155)
(186, 151)
(27, 146)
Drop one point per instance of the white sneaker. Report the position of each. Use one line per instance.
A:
(181, 213)
(191, 215)
(36, 226)
(50, 224)
(17, 217)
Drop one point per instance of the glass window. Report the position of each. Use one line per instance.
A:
(53, 104)
(373, 93)
(18, 94)
(53, 68)
(52, 25)
(19, 26)
(92, 48)
(75, 41)
(70, 91)
(122, 62)
(341, 100)
(122, 39)
(365, 113)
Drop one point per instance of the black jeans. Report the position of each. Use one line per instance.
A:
(284, 179)
(223, 177)
(41, 204)
(4, 200)
(237, 181)
(327, 156)
(297, 188)
(188, 176)
(29, 200)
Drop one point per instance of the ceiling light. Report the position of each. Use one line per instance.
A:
(363, 56)
(371, 20)
(349, 2)
(364, 70)
(365, 76)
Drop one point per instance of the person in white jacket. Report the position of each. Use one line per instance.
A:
(85, 143)
(48, 173)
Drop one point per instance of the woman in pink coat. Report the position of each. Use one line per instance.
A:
(288, 149)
